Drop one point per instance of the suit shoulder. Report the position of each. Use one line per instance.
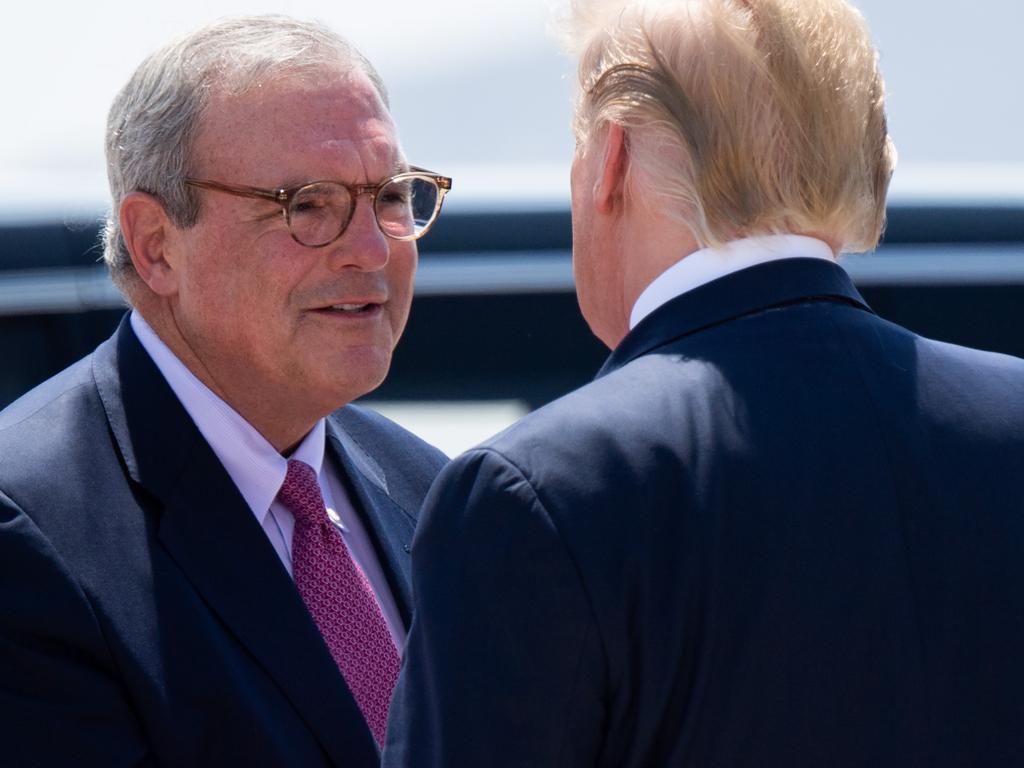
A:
(983, 360)
(407, 463)
(881, 330)
(44, 401)
(627, 404)
(371, 429)
(985, 388)
(58, 427)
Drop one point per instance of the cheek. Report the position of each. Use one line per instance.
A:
(403, 260)
(204, 296)
(224, 298)
(592, 276)
(401, 281)
(268, 274)
(210, 277)
(582, 276)
(244, 301)
(582, 250)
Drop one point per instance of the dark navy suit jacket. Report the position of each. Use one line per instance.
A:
(777, 530)
(144, 616)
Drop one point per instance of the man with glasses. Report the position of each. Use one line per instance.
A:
(203, 548)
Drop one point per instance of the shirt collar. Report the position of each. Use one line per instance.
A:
(707, 264)
(253, 464)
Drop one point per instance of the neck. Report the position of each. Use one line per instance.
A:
(281, 424)
(648, 244)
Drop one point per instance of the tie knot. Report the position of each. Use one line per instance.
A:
(300, 492)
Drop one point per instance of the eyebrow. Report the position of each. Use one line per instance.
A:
(291, 182)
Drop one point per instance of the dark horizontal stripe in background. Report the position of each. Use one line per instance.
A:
(62, 244)
(495, 317)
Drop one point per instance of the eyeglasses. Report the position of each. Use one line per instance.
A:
(317, 213)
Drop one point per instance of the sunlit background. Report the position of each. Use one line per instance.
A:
(479, 85)
(480, 92)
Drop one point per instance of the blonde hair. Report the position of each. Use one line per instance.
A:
(742, 116)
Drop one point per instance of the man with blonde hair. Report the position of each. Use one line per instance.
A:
(203, 549)
(777, 530)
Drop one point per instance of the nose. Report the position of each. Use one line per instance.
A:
(362, 245)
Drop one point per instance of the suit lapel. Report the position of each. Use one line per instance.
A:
(212, 535)
(750, 290)
(390, 526)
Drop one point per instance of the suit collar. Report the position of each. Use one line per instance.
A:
(254, 465)
(390, 525)
(209, 531)
(152, 430)
(741, 293)
(708, 264)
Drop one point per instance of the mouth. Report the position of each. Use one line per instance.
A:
(351, 309)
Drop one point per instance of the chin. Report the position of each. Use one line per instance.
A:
(359, 375)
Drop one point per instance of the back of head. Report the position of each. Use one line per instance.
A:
(156, 116)
(743, 117)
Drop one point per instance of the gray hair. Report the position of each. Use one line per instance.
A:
(155, 118)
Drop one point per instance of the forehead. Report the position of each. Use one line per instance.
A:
(328, 124)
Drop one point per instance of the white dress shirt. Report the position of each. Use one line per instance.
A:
(258, 471)
(709, 264)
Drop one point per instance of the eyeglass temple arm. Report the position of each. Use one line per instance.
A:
(443, 182)
(277, 196)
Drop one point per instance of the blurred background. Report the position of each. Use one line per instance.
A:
(480, 92)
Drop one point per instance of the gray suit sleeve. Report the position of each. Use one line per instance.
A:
(504, 665)
(60, 703)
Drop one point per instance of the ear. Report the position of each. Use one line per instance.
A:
(146, 229)
(609, 193)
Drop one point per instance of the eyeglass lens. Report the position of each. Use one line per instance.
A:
(404, 208)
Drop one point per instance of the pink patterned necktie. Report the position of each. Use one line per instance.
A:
(340, 599)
